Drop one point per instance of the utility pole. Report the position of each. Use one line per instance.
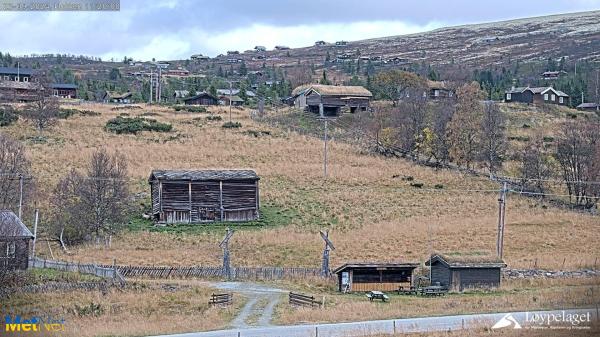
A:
(501, 219)
(151, 84)
(159, 85)
(35, 224)
(225, 246)
(20, 196)
(328, 247)
(230, 95)
(597, 90)
(325, 151)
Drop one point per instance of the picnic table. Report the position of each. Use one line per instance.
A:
(377, 295)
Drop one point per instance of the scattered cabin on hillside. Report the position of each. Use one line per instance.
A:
(16, 74)
(282, 48)
(116, 97)
(204, 196)
(19, 92)
(330, 100)
(64, 90)
(202, 98)
(588, 107)
(374, 276)
(463, 272)
(553, 75)
(15, 239)
(320, 43)
(260, 48)
(536, 95)
(235, 100)
(439, 90)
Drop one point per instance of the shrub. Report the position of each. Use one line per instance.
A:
(214, 118)
(121, 125)
(7, 115)
(439, 186)
(526, 126)
(189, 108)
(231, 125)
(416, 185)
(548, 139)
(126, 107)
(258, 133)
(65, 113)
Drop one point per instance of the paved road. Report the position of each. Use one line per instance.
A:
(366, 328)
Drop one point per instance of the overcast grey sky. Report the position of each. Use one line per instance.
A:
(170, 29)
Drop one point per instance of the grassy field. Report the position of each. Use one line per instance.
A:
(139, 309)
(372, 212)
(513, 295)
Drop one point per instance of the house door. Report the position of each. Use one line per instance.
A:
(456, 286)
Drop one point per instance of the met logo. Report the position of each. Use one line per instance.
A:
(34, 324)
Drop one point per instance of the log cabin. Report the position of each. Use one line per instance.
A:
(201, 98)
(329, 100)
(463, 272)
(204, 196)
(374, 276)
(536, 95)
(64, 90)
(15, 239)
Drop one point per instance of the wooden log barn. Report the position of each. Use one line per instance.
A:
(15, 239)
(462, 272)
(204, 196)
(374, 276)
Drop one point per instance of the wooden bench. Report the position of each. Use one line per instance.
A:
(407, 291)
(225, 299)
(377, 295)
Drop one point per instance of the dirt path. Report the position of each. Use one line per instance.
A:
(255, 293)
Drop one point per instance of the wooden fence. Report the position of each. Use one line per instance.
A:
(304, 300)
(164, 272)
(108, 272)
(225, 299)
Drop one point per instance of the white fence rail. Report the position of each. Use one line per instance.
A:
(93, 269)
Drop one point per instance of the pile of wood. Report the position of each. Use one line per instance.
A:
(223, 299)
(305, 300)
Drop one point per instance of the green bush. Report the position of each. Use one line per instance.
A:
(8, 115)
(65, 113)
(232, 125)
(439, 186)
(121, 125)
(416, 185)
(214, 118)
(189, 108)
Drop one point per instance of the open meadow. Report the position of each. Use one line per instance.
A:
(369, 203)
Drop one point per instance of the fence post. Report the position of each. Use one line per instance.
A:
(394, 327)
(316, 331)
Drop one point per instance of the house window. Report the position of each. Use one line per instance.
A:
(436, 93)
(553, 97)
(6, 78)
(424, 94)
(16, 78)
(508, 97)
(25, 79)
(561, 100)
(10, 249)
(450, 94)
(545, 97)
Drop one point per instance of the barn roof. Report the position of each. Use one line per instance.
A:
(12, 226)
(340, 90)
(117, 95)
(203, 175)
(536, 90)
(19, 85)
(371, 265)
(468, 261)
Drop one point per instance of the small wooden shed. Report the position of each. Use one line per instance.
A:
(15, 238)
(204, 196)
(461, 272)
(374, 276)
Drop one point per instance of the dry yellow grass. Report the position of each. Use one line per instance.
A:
(130, 312)
(514, 295)
(372, 215)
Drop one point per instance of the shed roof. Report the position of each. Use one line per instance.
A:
(19, 85)
(588, 105)
(11, 226)
(536, 90)
(117, 95)
(369, 265)
(468, 261)
(340, 90)
(203, 175)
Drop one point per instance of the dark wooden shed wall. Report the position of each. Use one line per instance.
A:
(469, 277)
(21, 258)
